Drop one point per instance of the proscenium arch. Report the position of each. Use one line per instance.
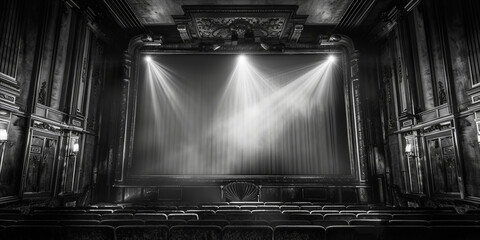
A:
(129, 88)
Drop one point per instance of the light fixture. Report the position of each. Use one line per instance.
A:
(334, 38)
(234, 38)
(75, 147)
(148, 58)
(242, 58)
(265, 46)
(215, 47)
(409, 149)
(158, 39)
(146, 38)
(3, 135)
(331, 59)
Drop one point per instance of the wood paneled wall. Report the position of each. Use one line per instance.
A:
(427, 72)
(54, 63)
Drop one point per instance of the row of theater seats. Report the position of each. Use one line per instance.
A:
(238, 216)
(235, 232)
(223, 223)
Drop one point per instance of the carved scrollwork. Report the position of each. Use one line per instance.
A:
(221, 28)
(46, 126)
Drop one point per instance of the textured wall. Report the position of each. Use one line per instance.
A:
(441, 72)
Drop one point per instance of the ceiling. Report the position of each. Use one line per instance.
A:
(159, 12)
(308, 20)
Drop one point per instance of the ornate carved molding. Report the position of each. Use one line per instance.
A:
(46, 126)
(248, 23)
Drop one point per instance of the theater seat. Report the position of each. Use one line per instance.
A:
(141, 232)
(78, 232)
(183, 216)
(122, 222)
(215, 222)
(7, 222)
(406, 233)
(235, 232)
(328, 223)
(351, 233)
(339, 216)
(12, 216)
(289, 222)
(249, 222)
(299, 232)
(384, 216)
(79, 222)
(2, 233)
(311, 207)
(453, 223)
(170, 223)
(30, 232)
(334, 207)
(455, 232)
(409, 222)
(145, 216)
(117, 216)
(374, 222)
(309, 217)
(195, 232)
(206, 216)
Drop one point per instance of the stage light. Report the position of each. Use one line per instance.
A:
(331, 59)
(3, 135)
(242, 58)
(215, 47)
(265, 46)
(148, 58)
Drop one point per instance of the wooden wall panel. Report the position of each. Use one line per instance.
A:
(10, 30)
(472, 20)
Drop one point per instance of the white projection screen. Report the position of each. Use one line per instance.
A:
(230, 114)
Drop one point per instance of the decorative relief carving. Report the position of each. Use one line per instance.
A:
(437, 127)
(7, 97)
(297, 31)
(218, 23)
(42, 95)
(183, 30)
(222, 28)
(442, 95)
(46, 126)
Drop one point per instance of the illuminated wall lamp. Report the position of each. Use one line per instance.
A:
(75, 147)
(409, 150)
(3, 135)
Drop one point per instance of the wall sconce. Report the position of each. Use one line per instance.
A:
(409, 150)
(75, 147)
(3, 135)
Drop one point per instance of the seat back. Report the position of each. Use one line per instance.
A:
(79, 232)
(405, 232)
(215, 222)
(195, 232)
(351, 233)
(2, 233)
(258, 232)
(455, 232)
(299, 232)
(122, 222)
(170, 223)
(145, 216)
(327, 223)
(129, 232)
(289, 222)
(31, 232)
(339, 216)
(374, 222)
(183, 216)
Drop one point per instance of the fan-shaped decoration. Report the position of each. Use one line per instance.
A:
(241, 191)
